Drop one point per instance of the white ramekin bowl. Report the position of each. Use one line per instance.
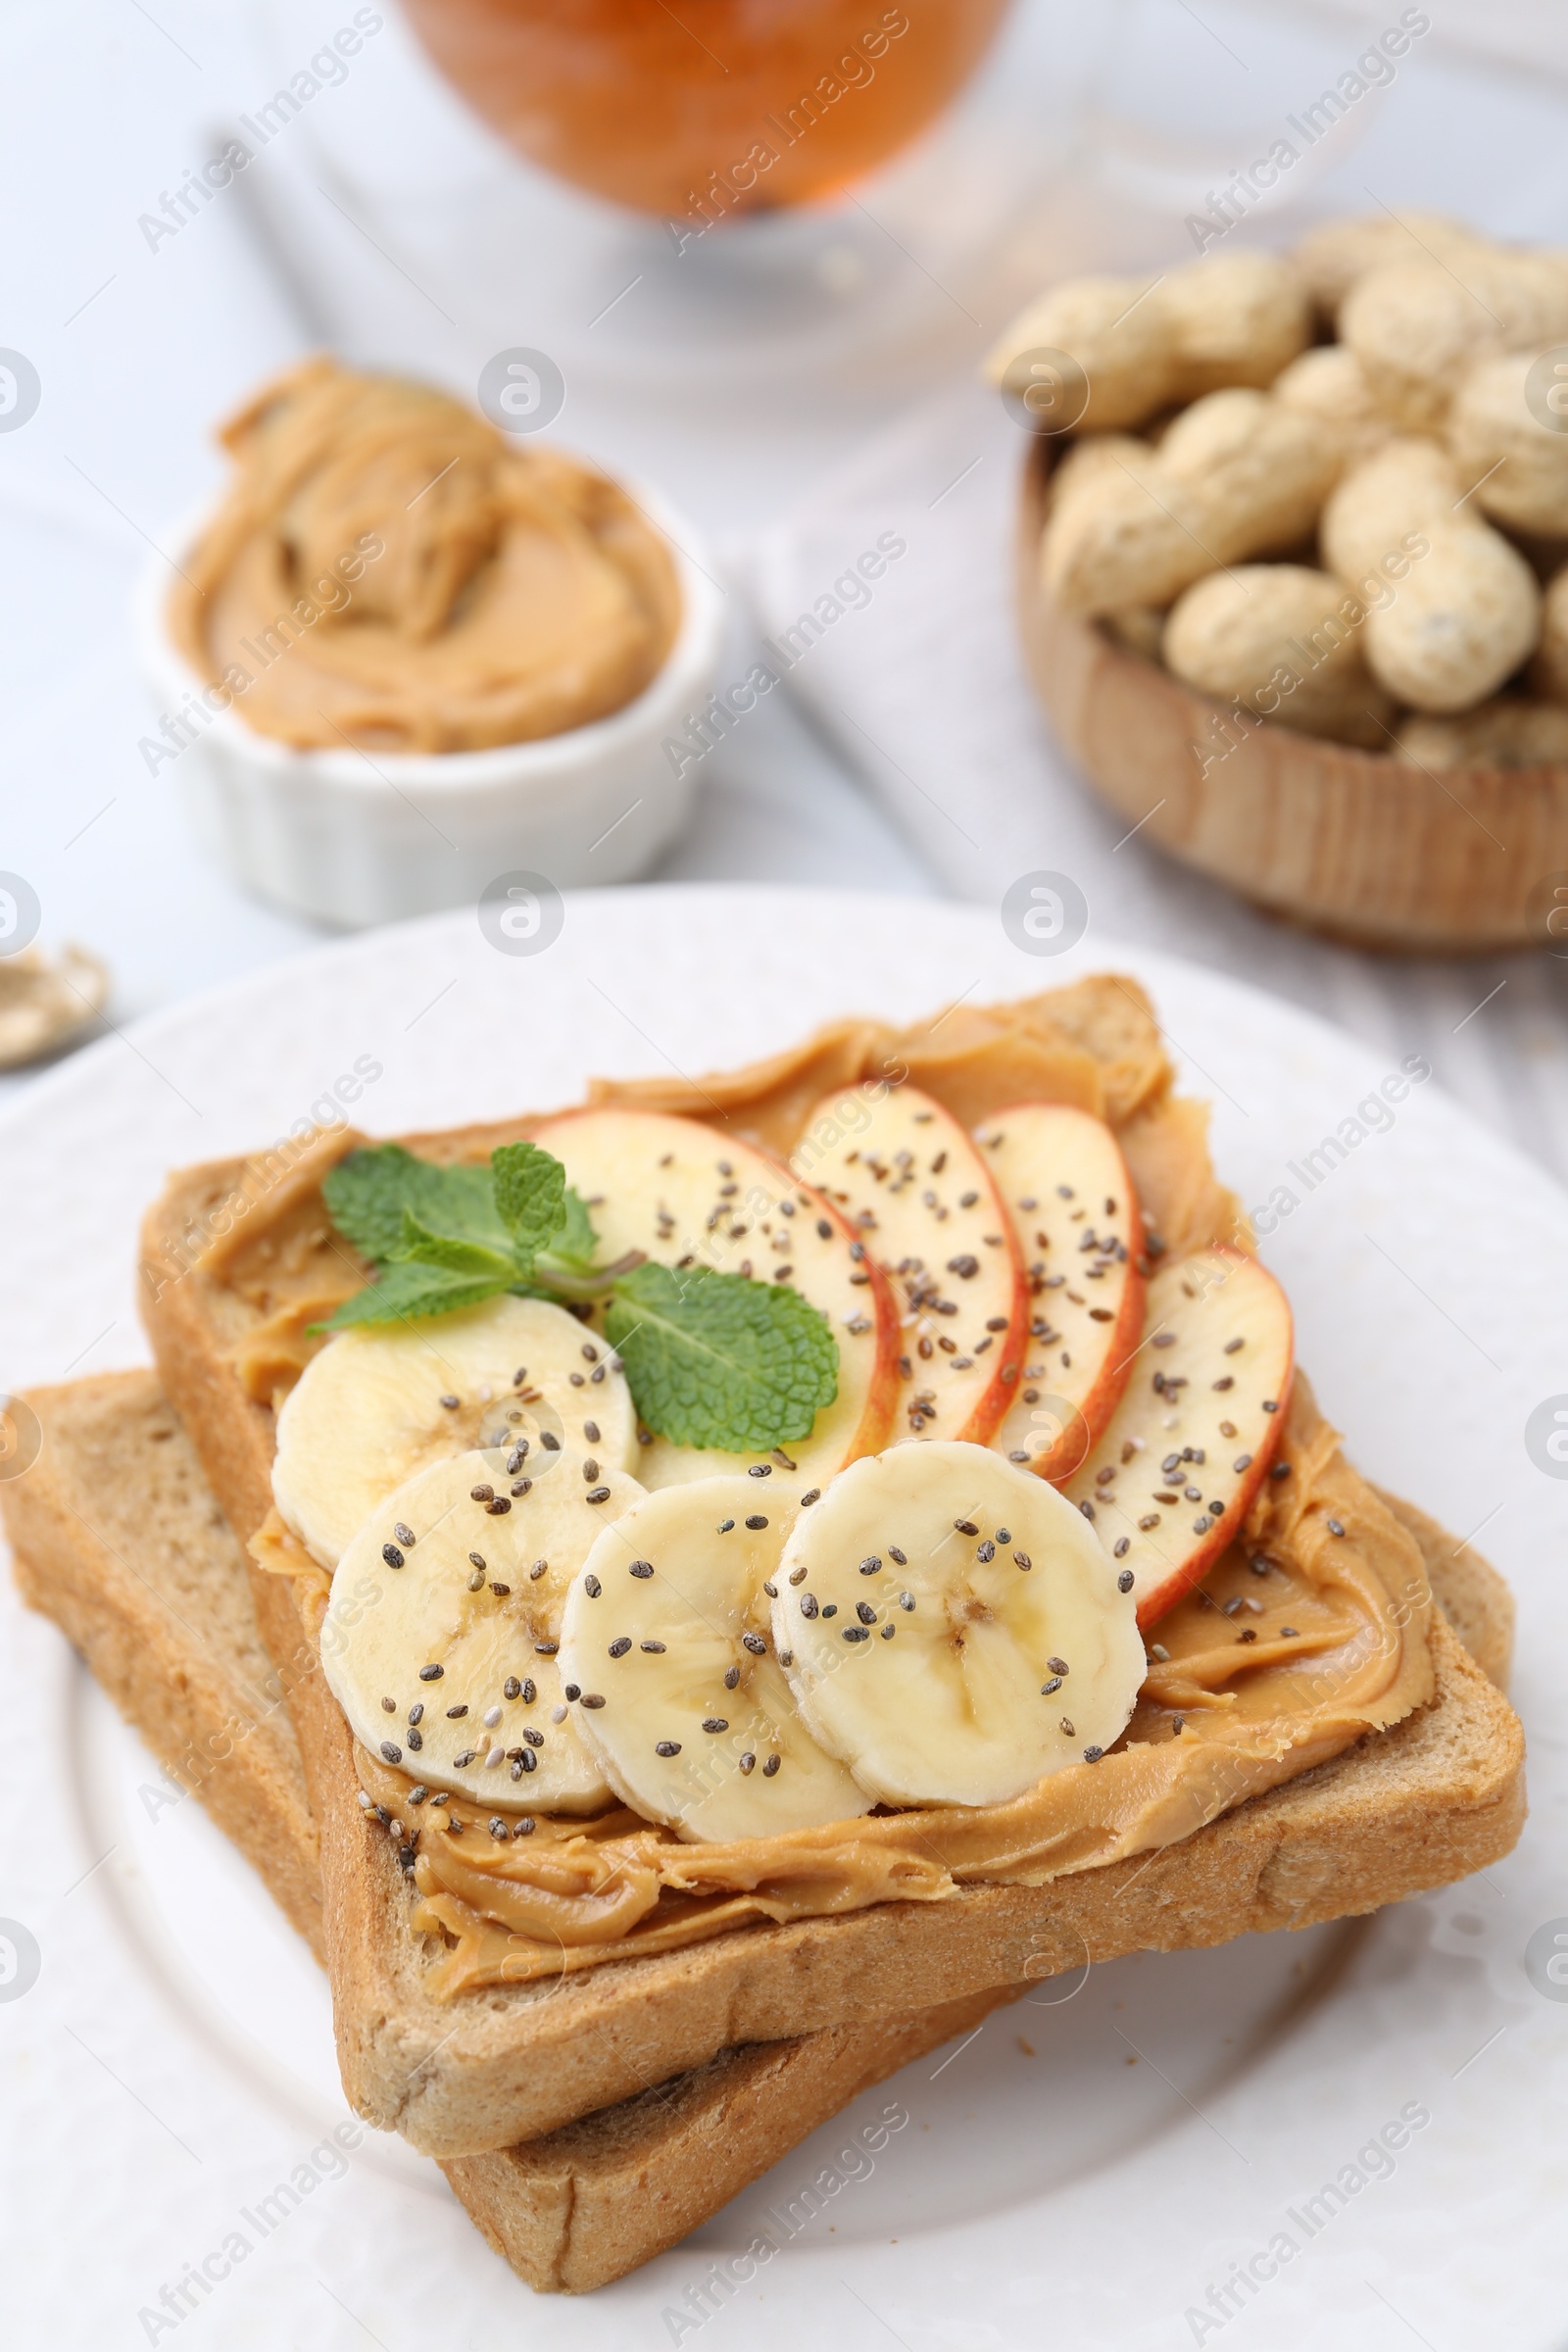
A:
(355, 838)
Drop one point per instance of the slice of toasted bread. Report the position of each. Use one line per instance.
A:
(116, 1538)
(1435, 1797)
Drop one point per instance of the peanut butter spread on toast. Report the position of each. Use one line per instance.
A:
(1309, 1632)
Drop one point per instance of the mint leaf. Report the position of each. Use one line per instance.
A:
(421, 1247)
(716, 1359)
(530, 1197)
(576, 1242)
(366, 1193)
(566, 1270)
(405, 1293)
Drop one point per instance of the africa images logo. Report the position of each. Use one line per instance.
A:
(1044, 913)
(1546, 1437)
(521, 913)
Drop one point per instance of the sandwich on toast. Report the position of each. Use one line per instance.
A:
(755, 1556)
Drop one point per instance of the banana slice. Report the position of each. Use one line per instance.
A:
(379, 1403)
(439, 1640)
(668, 1627)
(953, 1628)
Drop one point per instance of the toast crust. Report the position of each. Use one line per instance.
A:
(594, 2199)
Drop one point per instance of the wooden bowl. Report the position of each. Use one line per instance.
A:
(1357, 844)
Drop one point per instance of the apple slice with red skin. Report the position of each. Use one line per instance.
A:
(1171, 1479)
(918, 1191)
(1067, 1190)
(684, 1192)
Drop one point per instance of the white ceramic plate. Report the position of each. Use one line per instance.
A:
(1170, 2116)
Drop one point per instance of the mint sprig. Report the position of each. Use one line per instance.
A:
(574, 1243)
(724, 1361)
(530, 1195)
(712, 1359)
(404, 1293)
(368, 1193)
(420, 1245)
